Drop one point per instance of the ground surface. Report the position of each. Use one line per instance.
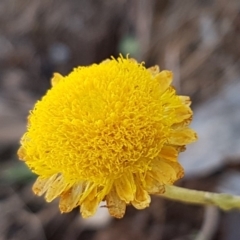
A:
(198, 40)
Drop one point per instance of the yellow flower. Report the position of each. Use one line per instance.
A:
(107, 132)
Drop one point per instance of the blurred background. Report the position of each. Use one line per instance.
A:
(199, 40)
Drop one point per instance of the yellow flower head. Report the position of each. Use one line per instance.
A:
(110, 131)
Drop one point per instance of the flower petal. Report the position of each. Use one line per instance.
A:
(182, 136)
(90, 204)
(88, 188)
(89, 207)
(41, 185)
(154, 70)
(186, 100)
(169, 153)
(166, 172)
(183, 113)
(164, 78)
(70, 198)
(56, 188)
(125, 187)
(21, 154)
(142, 198)
(57, 77)
(116, 206)
(153, 186)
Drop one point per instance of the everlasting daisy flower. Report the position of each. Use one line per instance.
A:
(107, 132)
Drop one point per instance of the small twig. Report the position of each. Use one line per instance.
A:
(221, 200)
(210, 223)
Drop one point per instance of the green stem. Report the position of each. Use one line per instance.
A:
(222, 200)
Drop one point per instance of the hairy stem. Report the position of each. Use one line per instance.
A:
(221, 200)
